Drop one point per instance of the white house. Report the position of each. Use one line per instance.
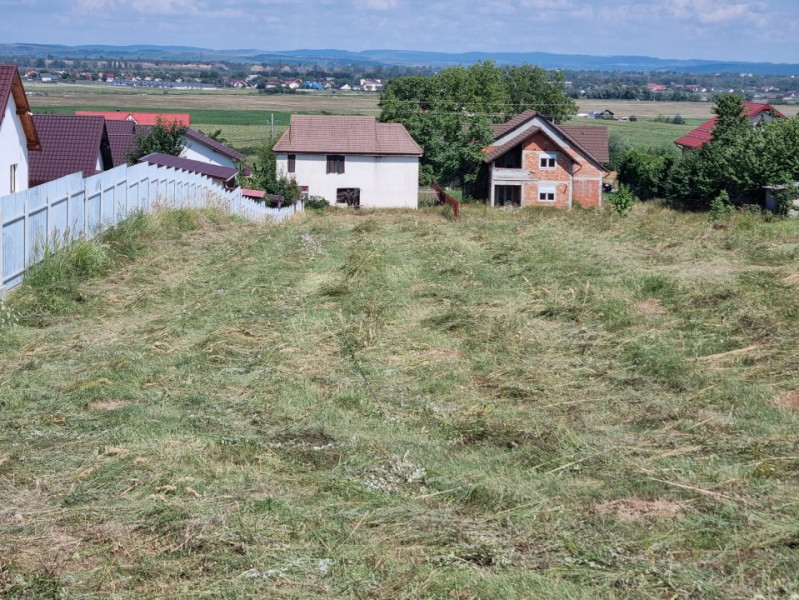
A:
(352, 161)
(17, 132)
(198, 146)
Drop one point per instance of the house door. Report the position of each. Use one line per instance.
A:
(507, 195)
(349, 196)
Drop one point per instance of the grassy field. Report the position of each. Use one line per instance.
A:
(244, 115)
(644, 132)
(528, 404)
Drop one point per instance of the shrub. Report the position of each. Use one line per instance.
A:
(316, 202)
(633, 118)
(720, 207)
(622, 200)
(678, 120)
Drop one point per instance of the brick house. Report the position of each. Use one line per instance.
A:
(533, 162)
(17, 132)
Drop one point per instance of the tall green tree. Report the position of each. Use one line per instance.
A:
(161, 137)
(449, 114)
(531, 87)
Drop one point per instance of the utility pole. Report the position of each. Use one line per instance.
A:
(272, 126)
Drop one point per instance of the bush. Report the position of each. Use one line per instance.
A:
(622, 200)
(633, 118)
(316, 202)
(720, 207)
(677, 120)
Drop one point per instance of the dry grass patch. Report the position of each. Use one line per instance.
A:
(635, 509)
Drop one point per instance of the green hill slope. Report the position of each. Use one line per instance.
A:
(390, 405)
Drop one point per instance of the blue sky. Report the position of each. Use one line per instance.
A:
(763, 30)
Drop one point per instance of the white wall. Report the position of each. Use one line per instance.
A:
(384, 181)
(13, 150)
(194, 150)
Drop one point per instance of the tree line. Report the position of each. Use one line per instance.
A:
(449, 114)
(735, 164)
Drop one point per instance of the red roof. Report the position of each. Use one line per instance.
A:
(70, 144)
(322, 134)
(696, 138)
(176, 162)
(11, 86)
(140, 118)
(254, 194)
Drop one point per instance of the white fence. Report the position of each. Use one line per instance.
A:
(73, 207)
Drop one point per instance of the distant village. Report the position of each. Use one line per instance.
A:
(284, 78)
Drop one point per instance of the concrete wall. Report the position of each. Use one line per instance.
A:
(384, 181)
(13, 150)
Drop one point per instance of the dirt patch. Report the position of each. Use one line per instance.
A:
(108, 405)
(651, 307)
(789, 400)
(635, 509)
(792, 280)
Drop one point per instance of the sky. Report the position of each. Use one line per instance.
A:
(738, 30)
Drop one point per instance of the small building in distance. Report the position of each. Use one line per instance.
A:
(696, 138)
(351, 161)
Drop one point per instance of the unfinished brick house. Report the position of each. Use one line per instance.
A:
(533, 162)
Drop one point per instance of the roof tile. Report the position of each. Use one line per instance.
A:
(196, 166)
(140, 118)
(322, 134)
(11, 86)
(696, 138)
(70, 144)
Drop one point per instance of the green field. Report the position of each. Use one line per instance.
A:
(526, 404)
(244, 116)
(646, 133)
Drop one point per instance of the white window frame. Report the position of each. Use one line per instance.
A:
(13, 179)
(546, 190)
(547, 160)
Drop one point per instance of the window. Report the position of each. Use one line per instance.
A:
(293, 163)
(511, 159)
(335, 163)
(546, 193)
(548, 160)
(13, 179)
(349, 196)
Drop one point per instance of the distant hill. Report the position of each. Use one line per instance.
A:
(335, 57)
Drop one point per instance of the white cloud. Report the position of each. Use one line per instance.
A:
(378, 4)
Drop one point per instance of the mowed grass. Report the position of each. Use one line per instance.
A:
(527, 404)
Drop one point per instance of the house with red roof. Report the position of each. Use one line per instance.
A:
(533, 162)
(140, 118)
(351, 161)
(696, 138)
(70, 144)
(18, 137)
